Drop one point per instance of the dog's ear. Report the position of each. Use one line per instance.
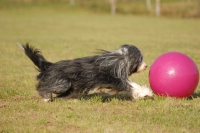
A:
(114, 63)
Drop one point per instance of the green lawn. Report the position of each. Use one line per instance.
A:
(70, 33)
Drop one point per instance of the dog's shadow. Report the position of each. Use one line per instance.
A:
(104, 97)
(125, 97)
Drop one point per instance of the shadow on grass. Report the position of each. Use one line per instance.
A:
(194, 95)
(107, 98)
(104, 97)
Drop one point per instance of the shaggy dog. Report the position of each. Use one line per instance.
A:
(82, 76)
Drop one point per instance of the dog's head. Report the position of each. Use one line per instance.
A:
(135, 58)
(122, 62)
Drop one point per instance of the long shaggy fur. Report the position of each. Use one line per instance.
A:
(72, 78)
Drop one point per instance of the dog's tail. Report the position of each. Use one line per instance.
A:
(36, 57)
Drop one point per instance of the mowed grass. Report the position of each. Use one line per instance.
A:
(66, 34)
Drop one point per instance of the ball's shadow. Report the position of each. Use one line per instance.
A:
(194, 95)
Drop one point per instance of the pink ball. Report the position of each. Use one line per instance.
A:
(174, 74)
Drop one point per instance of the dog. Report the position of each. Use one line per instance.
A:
(83, 76)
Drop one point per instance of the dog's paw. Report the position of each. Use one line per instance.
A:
(142, 92)
(47, 100)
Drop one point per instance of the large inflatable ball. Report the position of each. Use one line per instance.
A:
(174, 74)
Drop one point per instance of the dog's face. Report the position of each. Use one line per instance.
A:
(122, 62)
(135, 58)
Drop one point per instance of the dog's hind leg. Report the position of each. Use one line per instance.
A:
(60, 86)
(45, 95)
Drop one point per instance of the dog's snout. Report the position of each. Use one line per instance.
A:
(142, 67)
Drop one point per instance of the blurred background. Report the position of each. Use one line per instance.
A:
(169, 8)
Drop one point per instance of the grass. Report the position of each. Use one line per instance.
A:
(63, 33)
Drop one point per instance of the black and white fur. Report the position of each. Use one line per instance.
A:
(72, 78)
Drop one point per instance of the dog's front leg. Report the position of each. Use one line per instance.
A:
(140, 92)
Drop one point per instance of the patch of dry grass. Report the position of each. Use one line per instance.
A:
(169, 8)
